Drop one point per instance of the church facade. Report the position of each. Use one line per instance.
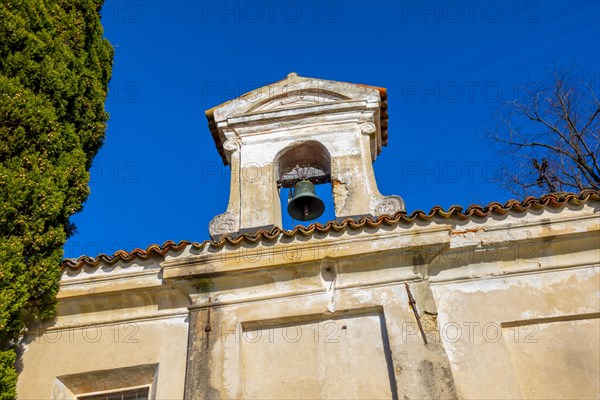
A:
(490, 302)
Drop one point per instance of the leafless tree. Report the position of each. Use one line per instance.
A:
(549, 135)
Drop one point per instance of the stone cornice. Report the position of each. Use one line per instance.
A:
(132, 278)
(440, 251)
(497, 235)
(282, 254)
(264, 117)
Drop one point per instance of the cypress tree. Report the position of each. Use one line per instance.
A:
(54, 72)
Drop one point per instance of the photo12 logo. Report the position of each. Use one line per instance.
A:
(270, 12)
(121, 12)
(74, 249)
(72, 332)
(470, 332)
(470, 12)
(255, 93)
(289, 253)
(451, 92)
(255, 332)
(117, 172)
(471, 172)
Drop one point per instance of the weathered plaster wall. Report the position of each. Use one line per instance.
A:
(508, 306)
(110, 332)
(302, 350)
(476, 285)
(527, 336)
(115, 346)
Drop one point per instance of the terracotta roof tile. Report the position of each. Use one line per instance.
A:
(477, 211)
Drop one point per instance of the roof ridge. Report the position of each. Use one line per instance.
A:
(554, 200)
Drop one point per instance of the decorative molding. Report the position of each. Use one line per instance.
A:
(267, 116)
(389, 205)
(312, 251)
(286, 124)
(123, 275)
(223, 224)
(60, 326)
(368, 128)
(232, 145)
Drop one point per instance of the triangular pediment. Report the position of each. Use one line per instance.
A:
(293, 96)
(293, 92)
(297, 98)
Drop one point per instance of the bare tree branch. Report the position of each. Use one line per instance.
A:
(550, 136)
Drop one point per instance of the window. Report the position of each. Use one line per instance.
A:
(127, 394)
(137, 382)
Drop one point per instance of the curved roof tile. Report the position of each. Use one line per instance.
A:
(475, 210)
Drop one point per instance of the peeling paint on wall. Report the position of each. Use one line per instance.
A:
(340, 193)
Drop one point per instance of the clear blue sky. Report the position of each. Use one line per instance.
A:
(446, 66)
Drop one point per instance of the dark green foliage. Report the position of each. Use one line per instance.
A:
(54, 72)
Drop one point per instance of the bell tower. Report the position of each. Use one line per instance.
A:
(300, 130)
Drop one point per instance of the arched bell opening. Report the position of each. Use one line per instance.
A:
(304, 184)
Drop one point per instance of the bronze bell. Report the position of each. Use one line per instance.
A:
(305, 205)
